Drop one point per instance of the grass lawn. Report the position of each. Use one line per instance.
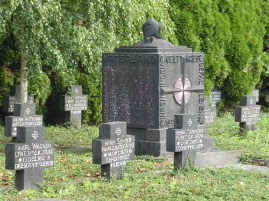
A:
(74, 177)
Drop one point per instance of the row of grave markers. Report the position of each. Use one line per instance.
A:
(29, 154)
(71, 104)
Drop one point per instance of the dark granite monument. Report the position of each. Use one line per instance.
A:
(215, 97)
(186, 136)
(9, 101)
(29, 156)
(148, 83)
(247, 113)
(23, 115)
(73, 104)
(113, 149)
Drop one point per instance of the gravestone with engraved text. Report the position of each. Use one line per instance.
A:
(147, 84)
(247, 113)
(9, 101)
(29, 156)
(256, 93)
(73, 104)
(186, 136)
(23, 115)
(113, 148)
(215, 97)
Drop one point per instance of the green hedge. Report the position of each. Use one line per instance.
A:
(231, 33)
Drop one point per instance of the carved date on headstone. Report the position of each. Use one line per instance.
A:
(186, 135)
(73, 105)
(113, 149)
(247, 112)
(23, 115)
(29, 156)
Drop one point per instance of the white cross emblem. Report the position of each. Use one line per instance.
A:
(35, 135)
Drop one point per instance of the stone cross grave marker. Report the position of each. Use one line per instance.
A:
(73, 105)
(210, 111)
(29, 156)
(23, 115)
(186, 136)
(9, 101)
(215, 97)
(113, 148)
(256, 93)
(247, 113)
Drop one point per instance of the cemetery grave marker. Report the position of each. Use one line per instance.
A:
(210, 111)
(247, 112)
(215, 97)
(29, 156)
(256, 93)
(73, 105)
(187, 135)
(9, 101)
(23, 115)
(147, 84)
(113, 148)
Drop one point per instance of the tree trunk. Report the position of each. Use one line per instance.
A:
(24, 81)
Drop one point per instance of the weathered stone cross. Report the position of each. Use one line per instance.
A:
(113, 148)
(29, 156)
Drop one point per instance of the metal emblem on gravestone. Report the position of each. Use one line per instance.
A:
(113, 149)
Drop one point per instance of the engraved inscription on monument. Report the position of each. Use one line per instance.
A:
(113, 148)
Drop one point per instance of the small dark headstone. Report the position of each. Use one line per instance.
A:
(73, 105)
(256, 93)
(29, 156)
(186, 136)
(9, 101)
(23, 115)
(113, 148)
(215, 97)
(247, 112)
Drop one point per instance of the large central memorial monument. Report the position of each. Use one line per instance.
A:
(148, 83)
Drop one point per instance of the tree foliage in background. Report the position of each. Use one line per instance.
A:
(62, 42)
(231, 33)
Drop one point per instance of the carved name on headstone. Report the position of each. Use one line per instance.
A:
(23, 115)
(210, 111)
(186, 135)
(29, 156)
(73, 104)
(215, 97)
(9, 101)
(113, 149)
(247, 112)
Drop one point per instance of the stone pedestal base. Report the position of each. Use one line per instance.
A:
(245, 126)
(29, 178)
(150, 141)
(73, 118)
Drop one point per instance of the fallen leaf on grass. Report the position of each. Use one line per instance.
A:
(4, 177)
(88, 175)
(96, 174)
(141, 169)
(242, 183)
